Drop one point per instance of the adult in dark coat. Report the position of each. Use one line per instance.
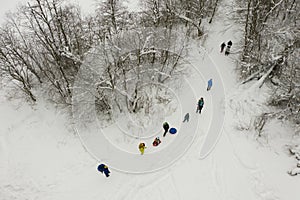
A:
(166, 128)
(200, 105)
(104, 169)
(223, 45)
(227, 51)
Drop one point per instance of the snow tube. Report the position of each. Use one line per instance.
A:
(173, 130)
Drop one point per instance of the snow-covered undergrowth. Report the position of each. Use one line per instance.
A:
(295, 151)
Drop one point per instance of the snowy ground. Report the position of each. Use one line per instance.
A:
(42, 157)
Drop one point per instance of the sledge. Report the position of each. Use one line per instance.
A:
(173, 130)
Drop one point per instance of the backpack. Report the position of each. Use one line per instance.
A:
(200, 103)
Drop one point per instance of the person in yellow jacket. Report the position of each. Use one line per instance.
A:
(142, 148)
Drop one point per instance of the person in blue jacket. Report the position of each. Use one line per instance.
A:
(209, 84)
(104, 169)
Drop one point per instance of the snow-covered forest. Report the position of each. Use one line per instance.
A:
(83, 88)
(271, 52)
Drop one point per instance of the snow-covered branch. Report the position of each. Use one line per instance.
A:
(188, 20)
(70, 56)
(272, 9)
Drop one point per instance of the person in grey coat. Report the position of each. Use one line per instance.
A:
(186, 117)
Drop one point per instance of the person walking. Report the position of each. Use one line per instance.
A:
(142, 148)
(223, 45)
(209, 84)
(200, 105)
(186, 117)
(104, 169)
(166, 128)
(227, 51)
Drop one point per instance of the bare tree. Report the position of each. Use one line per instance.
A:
(271, 43)
(190, 12)
(112, 16)
(134, 62)
(49, 40)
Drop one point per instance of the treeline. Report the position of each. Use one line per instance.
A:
(271, 53)
(43, 43)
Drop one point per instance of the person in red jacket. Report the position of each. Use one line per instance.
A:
(156, 142)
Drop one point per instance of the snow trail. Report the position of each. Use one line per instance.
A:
(40, 160)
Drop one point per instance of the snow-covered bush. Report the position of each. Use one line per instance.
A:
(294, 171)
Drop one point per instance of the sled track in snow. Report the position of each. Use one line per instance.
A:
(94, 139)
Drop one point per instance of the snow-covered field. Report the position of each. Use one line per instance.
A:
(43, 157)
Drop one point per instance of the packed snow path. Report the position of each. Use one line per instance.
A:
(98, 142)
(41, 159)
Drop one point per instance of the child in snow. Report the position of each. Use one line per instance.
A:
(200, 105)
(186, 117)
(104, 169)
(142, 148)
(156, 142)
(229, 43)
(166, 128)
(209, 84)
(223, 45)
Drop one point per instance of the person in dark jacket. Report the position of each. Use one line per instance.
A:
(200, 105)
(104, 169)
(227, 51)
(223, 45)
(166, 128)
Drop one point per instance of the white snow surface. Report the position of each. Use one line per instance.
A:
(42, 157)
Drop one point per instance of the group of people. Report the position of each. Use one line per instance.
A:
(227, 50)
(142, 146)
(157, 141)
(166, 126)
